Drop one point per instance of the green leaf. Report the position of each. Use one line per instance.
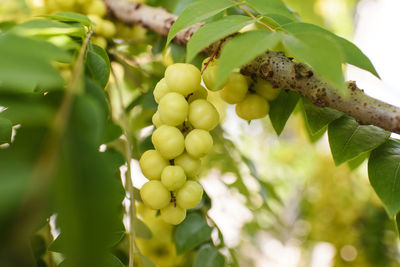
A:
(321, 52)
(352, 54)
(87, 200)
(281, 108)
(197, 12)
(98, 94)
(26, 63)
(87, 119)
(271, 6)
(145, 261)
(192, 232)
(117, 233)
(112, 132)
(279, 18)
(209, 256)
(356, 162)
(141, 229)
(254, 43)
(113, 261)
(28, 109)
(70, 17)
(318, 118)
(5, 130)
(98, 65)
(109, 261)
(44, 27)
(384, 175)
(214, 31)
(14, 181)
(348, 139)
(178, 53)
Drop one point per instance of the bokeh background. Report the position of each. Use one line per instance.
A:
(293, 207)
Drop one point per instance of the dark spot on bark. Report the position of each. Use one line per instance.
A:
(352, 85)
(137, 6)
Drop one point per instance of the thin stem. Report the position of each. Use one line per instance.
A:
(128, 175)
(255, 18)
(214, 53)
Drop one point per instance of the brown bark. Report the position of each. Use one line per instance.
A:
(274, 67)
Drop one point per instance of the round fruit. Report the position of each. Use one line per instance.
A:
(96, 7)
(100, 41)
(173, 177)
(160, 90)
(169, 141)
(152, 164)
(155, 195)
(156, 120)
(189, 196)
(173, 109)
(235, 89)
(210, 74)
(203, 115)
(173, 214)
(107, 29)
(198, 143)
(200, 93)
(182, 78)
(266, 90)
(252, 107)
(190, 165)
(96, 20)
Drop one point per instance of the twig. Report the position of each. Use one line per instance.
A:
(214, 53)
(257, 20)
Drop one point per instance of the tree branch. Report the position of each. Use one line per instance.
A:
(275, 67)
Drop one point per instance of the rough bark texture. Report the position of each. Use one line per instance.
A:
(158, 20)
(275, 67)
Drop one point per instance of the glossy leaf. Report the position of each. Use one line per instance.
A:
(270, 6)
(356, 162)
(209, 256)
(98, 65)
(196, 12)
(280, 19)
(214, 31)
(384, 175)
(352, 54)
(254, 43)
(348, 139)
(5, 130)
(192, 232)
(281, 108)
(318, 118)
(321, 52)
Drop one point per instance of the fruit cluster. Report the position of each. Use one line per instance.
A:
(183, 120)
(251, 97)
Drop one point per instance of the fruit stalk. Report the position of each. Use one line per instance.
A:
(274, 67)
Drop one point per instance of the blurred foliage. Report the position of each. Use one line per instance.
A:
(297, 198)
